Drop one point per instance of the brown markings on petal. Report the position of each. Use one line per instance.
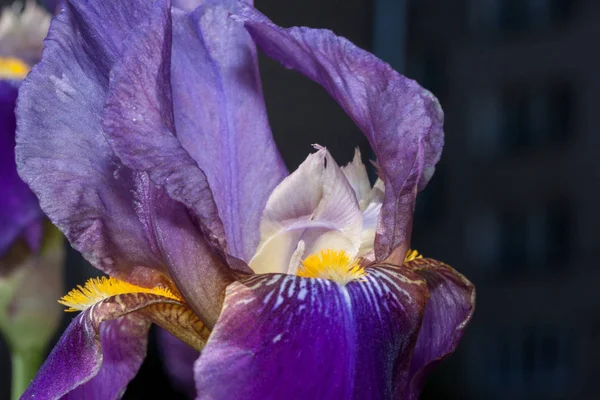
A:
(434, 272)
(180, 321)
(172, 315)
(398, 255)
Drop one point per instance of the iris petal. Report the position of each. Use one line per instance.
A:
(123, 342)
(221, 119)
(315, 205)
(19, 209)
(282, 336)
(356, 174)
(402, 121)
(102, 349)
(61, 151)
(449, 310)
(139, 124)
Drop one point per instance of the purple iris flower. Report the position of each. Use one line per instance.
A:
(31, 250)
(21, 35)
(144, 134)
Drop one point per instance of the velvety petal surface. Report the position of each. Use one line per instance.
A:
(314, 208)
(123, 346)
(402, 121)
(19, 208)
(139, 125)
(92, 362)
(449, 310)
(102, 349)
(221, 119)
(286, 337)
(187, 5)
(61, 152)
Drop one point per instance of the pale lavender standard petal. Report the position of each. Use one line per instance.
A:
(448, 312)
(62, 154)
(91, 364)
(221, 118)
(286, 337)
(20, 213)
(402, 121)
(138, 123)
(313, 209)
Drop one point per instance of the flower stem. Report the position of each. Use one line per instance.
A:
(25, 364)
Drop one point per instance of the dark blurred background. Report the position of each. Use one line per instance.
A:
(513, 204)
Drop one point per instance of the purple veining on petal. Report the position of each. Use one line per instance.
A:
(221, 119)
(139, 125)
(402, 121)
(282, 336)
(19, 209)
(61, 151)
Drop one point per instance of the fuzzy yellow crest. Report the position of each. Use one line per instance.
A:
(12, 68)
(98, 289)
(336, 265)
(411, 255)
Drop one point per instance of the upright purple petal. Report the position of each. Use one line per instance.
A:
(139, 125)
(61, 151)
(110, 213)
(187, 5)
(402, 121)
(191, 5)
(449, 310)
(286, 337)
(90, 363)
(139, 120)
(19, 209)
(221, 119)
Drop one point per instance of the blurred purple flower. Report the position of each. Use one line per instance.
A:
(31, 252)
(144, 134)
(22, 31)
(20, 214)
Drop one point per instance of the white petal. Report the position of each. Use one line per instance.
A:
(370, 218)
(315, 204)
(356, 173)
(297, 258)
